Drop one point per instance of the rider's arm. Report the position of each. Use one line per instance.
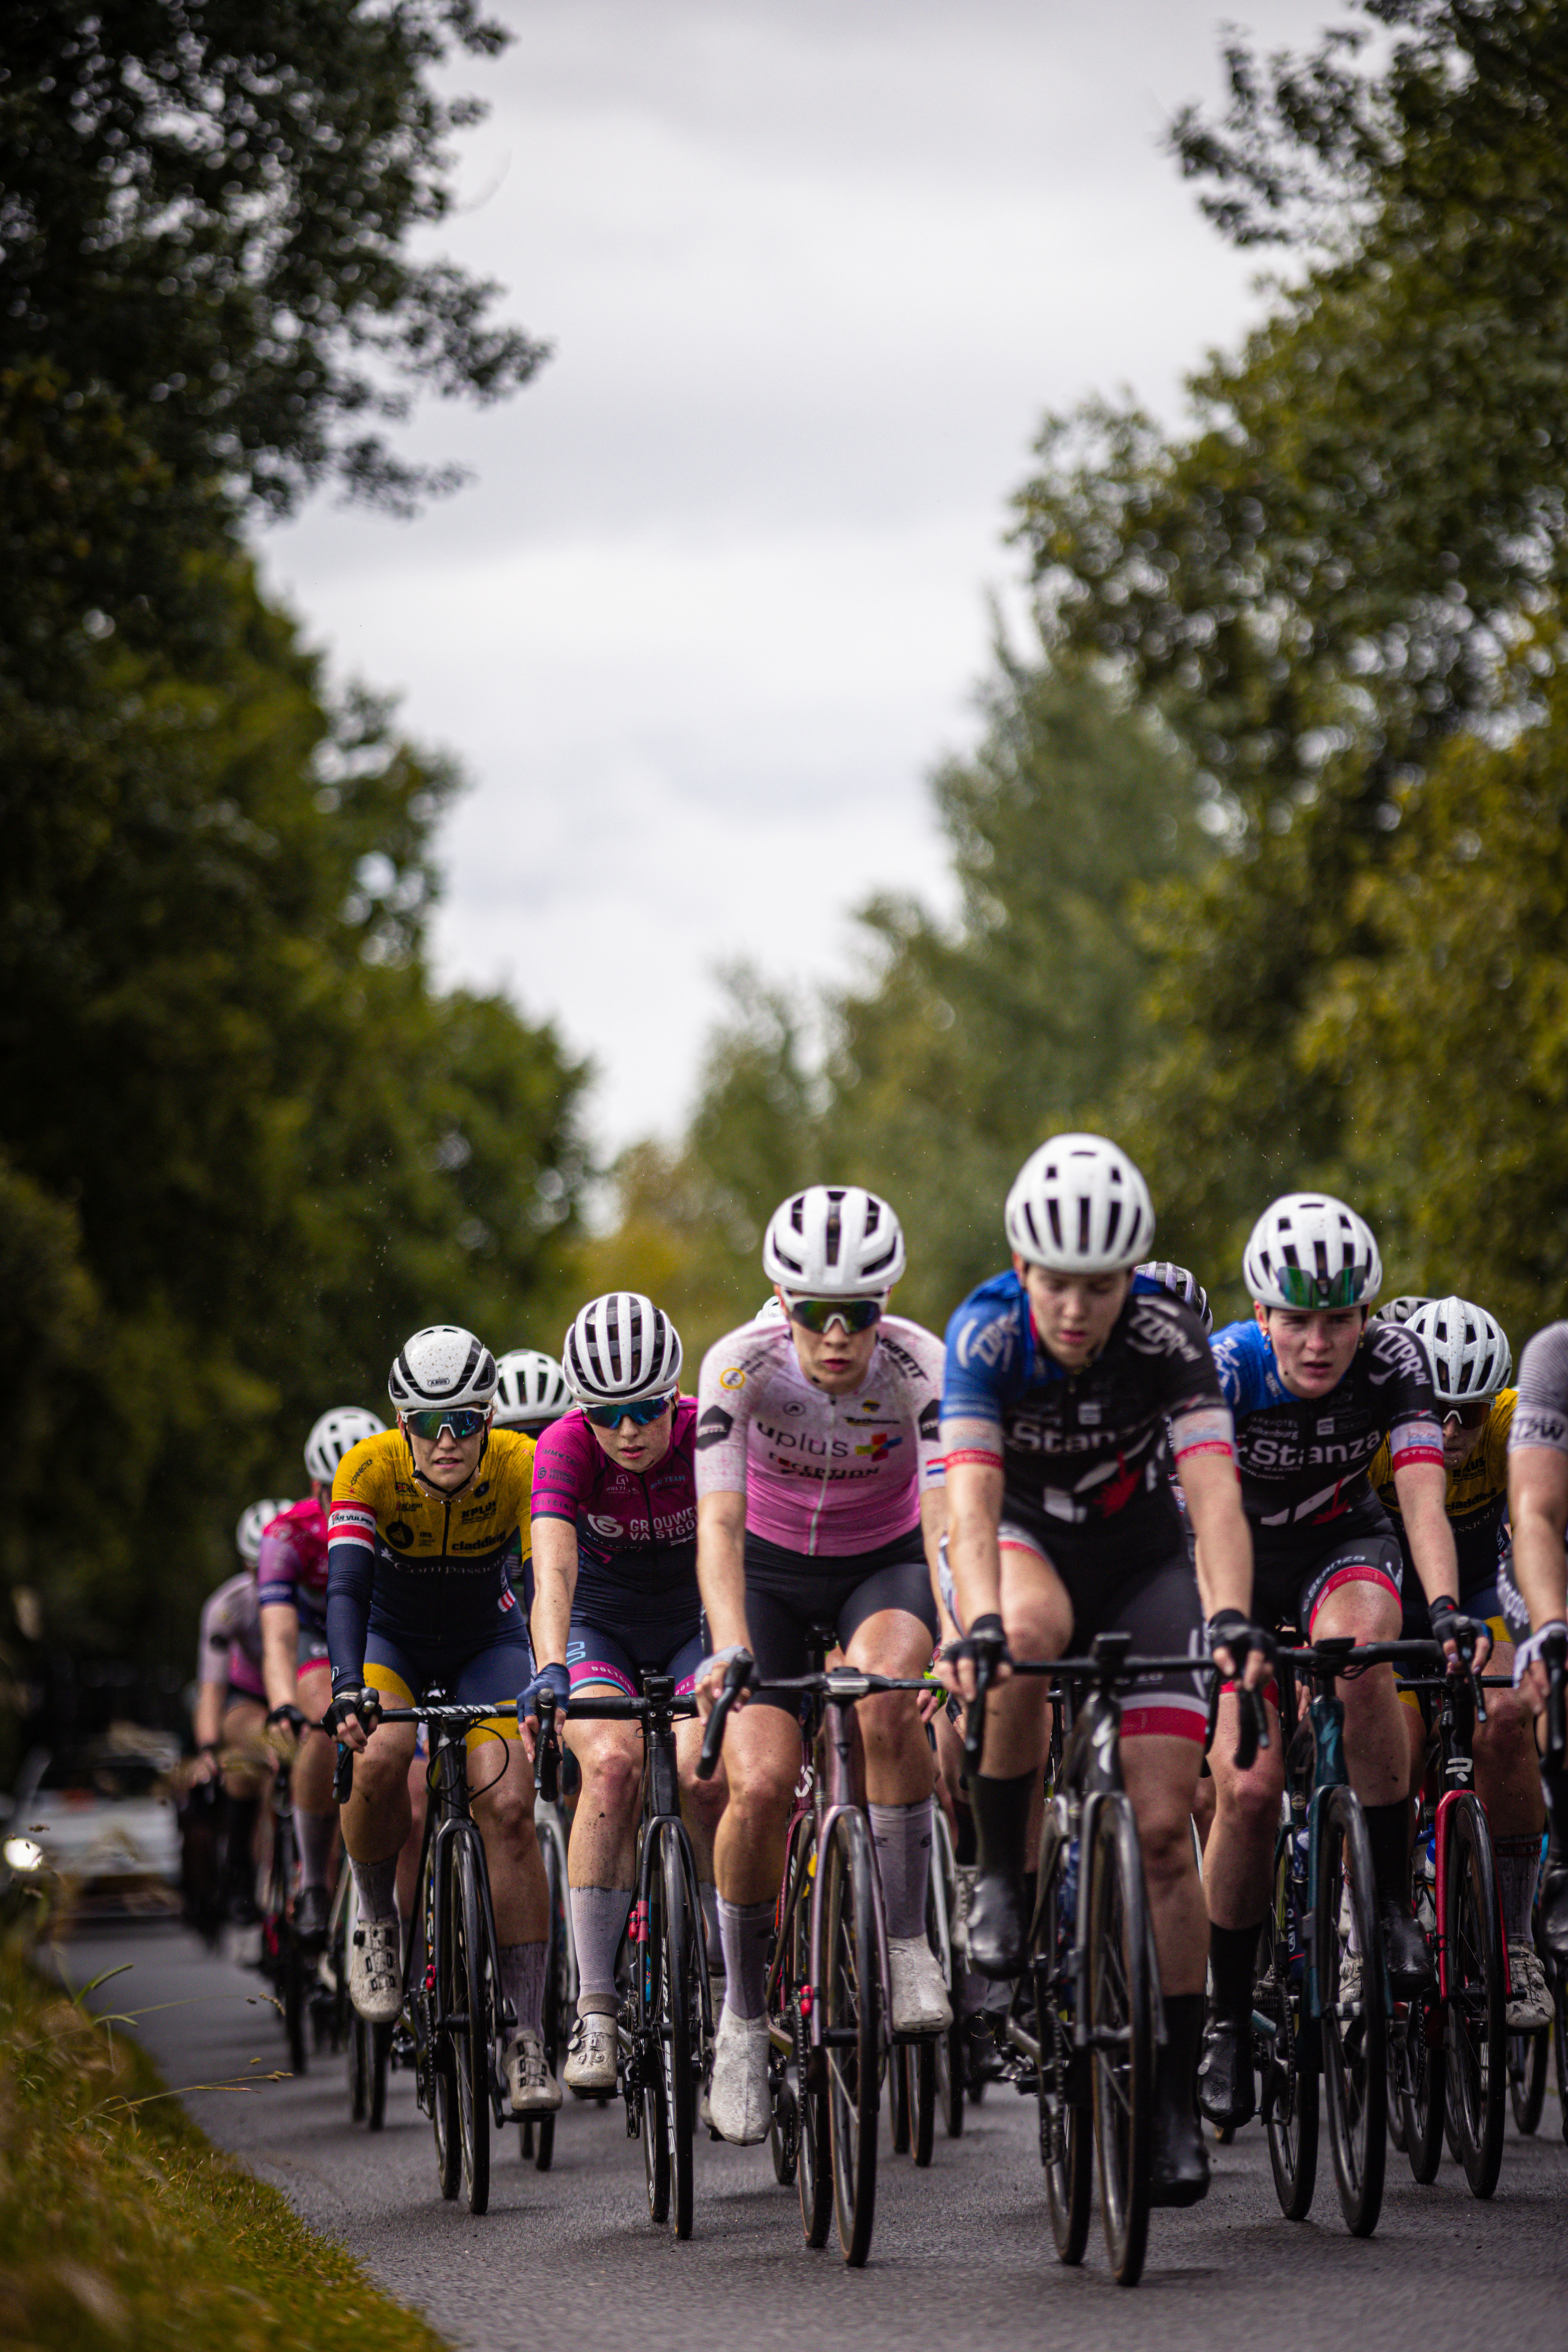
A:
(1206, 1468)
(281, 1653)
(554, 1583)
(974, 1487)
(934, 1527)
(1422, 1487)
(1538, 1507)
(722, 1567)
(206, 1721)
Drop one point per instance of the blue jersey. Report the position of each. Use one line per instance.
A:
(1085, 1454)
(1304, 1460)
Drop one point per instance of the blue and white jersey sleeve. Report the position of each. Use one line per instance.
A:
(1248, 1378)
(988, 1352)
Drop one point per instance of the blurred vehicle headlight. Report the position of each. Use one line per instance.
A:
(22, 1854)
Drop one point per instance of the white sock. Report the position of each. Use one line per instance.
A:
(599, 1915)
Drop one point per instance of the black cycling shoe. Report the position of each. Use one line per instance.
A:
(311, 1915)
(1179, 2168)
(996, 1925)
(1227, 2089)
(1405, 1949)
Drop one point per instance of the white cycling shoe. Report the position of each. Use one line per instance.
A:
(532, 2088)
(591, 2055)
(1530, 2003)
(375, 1970)
(921, 2004)
(736, 2105)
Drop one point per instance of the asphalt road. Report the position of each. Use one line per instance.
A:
(963, 2252)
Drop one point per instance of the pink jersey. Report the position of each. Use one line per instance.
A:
(828, 1474)
(292, 1566)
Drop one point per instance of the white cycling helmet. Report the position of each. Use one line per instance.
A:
(530, 1390)
(333, 1436)
(1401, 1310)
(620, 1348)
(1181, 1285)
(253, 1525)
(1469, 1349)
(1080, 1206)
(834, 1240)
(771, 1311)
(1308, 1250)
(443, 1364)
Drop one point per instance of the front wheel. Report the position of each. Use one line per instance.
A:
(852, 2030)
(1476, 2027)
(1121, 1995)
(1066, 2131)
(679, 2048)
(536, 2134)
(1355, 2019)
(1290, 2078)
(941, 1903)
(472, 2034)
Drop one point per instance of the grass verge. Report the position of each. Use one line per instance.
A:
(121, 2227)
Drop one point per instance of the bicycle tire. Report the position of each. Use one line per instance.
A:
(1121, 1998)
(358, 2069)
(897, 2102)
(474, 2042)
(536, 2134)
(439, 2058)
(1289, 2077)
(940, 1910)
(920, 2071)
(1476, 2031)
(1355, 2048)
(1066, 2122)
(1527, 2064)
(680, 2022)
(652, 2089)
(294, 1997)
(808, 2158)
(1398, 2137)
(1425, 2095)
(851, 1995)
(380, 2062)
(1557, 1978)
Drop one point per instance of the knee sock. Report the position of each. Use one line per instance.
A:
(522, 1982)
(377, 1885)
(709, 1895)
(1001, 1811)
(1232, 1957)
(743, 1931)
(1518, 1864)
(1388, 1835)
(902, 1834)
(599, 1915)
(315, 1833)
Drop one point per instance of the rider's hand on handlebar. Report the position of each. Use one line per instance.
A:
(1244, 1652)
(1464, 1641)
(353, 1715)
(554, 1678)
(708, 1680)
(984, 1646)
(1532, 1673)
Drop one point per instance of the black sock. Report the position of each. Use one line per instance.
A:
(1233, 1963)
(963, 1840)
(1388, 1835)
(1001, 1814)
(1178, 2067)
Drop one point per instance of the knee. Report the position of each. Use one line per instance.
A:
(612, 1783)
(888, 1722)
(759, 1800)
(1249, 1801)
(1508, 1736)
(702, 1801)
(508, 1811)
(380, 1780)
(1166, 1839)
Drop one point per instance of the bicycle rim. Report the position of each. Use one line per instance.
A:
(473, 2043)
(1355, 2066)
(441, 2058)
(653, 2096)
(921, 2068)
(1425, 2091)
(359, 2068)
(1477, 2030)
(380, 2037)
(537, 2145)
(1121, 2019)
(1557, 1979)
(940, 1903)
(852, 2018)
(897, 2102)
(813, 2147)
(680, 2025)
(1527, 2061)
(1067, 2137)
(1290, 2082)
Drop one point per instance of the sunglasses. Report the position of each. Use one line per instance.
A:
(1468, 1416)
(1302, 1288)
(610, 1416)
(819, 1315)
(463, 1421)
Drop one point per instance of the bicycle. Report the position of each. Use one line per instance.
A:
(1085, 2016)
(1312, 2036)
(1451, 2048)
(536, 2134)
(666, 2023)
(926, 2077)
(369, 2046)
(284, 1965)
(454, 2008)
(829, 1999)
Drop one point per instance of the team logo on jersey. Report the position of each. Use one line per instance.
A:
(881, 1445)
(400, 1533)
(733, 1377)
(930, 1420)
(714, 1427)
(986, 1343)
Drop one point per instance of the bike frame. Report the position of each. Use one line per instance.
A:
(1455, 1733)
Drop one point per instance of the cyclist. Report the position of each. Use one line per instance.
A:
(615, 1557)
(531, 1393)
(421, 1519)
(1317, 1390)
(291, 1589)
(1069, 1393)
(231, 1707)
(1471, 1364)
(1538, 1507)
(819, 1501)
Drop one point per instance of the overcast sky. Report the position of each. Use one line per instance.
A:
(714, 605)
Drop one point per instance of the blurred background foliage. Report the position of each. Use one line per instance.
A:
(1263, 856)
(247, 1144)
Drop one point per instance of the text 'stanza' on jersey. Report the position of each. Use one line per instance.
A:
(432, 1567)
(1084, 1454)
(828, 1474)
(1305, 1461)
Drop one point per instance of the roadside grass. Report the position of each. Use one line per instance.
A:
(123, 2230)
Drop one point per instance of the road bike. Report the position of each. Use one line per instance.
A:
(286, 1967)
(536, 2134)
(666, 2026)
(829, 1998)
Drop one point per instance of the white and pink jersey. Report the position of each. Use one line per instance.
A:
(825, 1475)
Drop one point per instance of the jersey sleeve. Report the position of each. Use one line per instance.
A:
(1541, 1410)
(561, 1482)
(350, 1563)
(983, 1361)
(922, 1366)
(278, 1568)
(214, 1636)
(1401, 1380)
(1172, 1343)
(1242, 1359)
(723, 1415)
